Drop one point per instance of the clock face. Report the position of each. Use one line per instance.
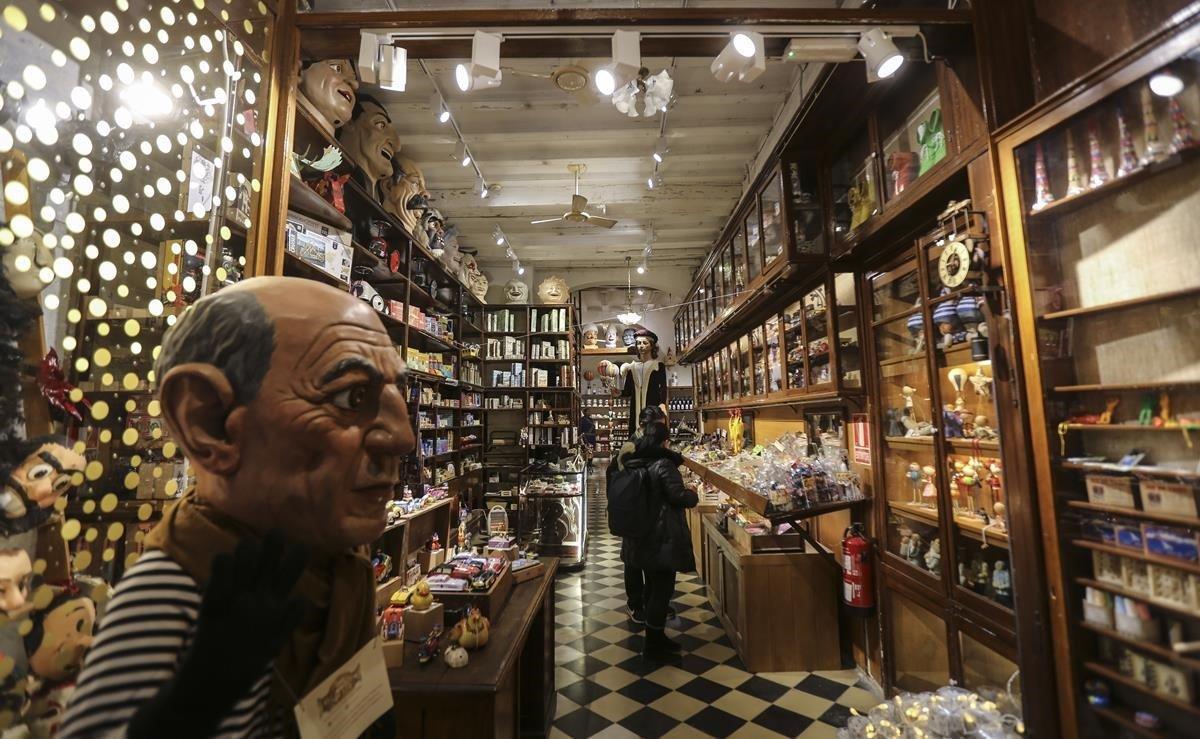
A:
(954, 264)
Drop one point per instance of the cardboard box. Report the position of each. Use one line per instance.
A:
(320, 245)
(1168, 541)
(418, 624)
(510, 553)
(751, 543)
(1107, 568)
(428, 560)
(393, 653)
(1110, 490)
(530, 572)
(1174, 499)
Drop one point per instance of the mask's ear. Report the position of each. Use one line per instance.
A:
(198, 404)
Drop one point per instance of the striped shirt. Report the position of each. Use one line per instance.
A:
(148, 625)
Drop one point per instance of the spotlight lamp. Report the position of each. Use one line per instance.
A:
(381, 63)
(880, 53)
(743, 57)
(484, 70)
(626, 57)
(1166, 83)
(660, 150)
(444, 115)
(606, 83)
(520, 270)
(462, 155)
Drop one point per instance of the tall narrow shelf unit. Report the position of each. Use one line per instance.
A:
(1102, 209)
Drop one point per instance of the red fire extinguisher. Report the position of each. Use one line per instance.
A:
(858, 589)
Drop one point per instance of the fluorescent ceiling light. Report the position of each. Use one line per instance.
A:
(839, 49)
(880, 53)
(484, 70)
(743, 57)
(1166, 84)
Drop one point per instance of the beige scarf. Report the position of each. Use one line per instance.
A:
(340, 587)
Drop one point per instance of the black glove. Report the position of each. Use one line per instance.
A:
(246, 615)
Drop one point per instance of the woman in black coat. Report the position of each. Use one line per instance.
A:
(667, 550)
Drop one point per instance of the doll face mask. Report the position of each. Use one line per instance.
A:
(330, 85)
(66, 638)
(15, 573)
(42, 478)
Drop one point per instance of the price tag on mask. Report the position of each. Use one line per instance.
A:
(349, 700)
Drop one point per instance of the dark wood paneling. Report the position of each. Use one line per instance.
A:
(1005, 58)
(1069, 37)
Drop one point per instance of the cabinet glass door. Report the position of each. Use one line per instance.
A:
(910, 471)
(774, 360)
(793, 342)
(760, 364)
(846, 325)
(740, 276)
(816, 329)
(745, 366)
(772, 219)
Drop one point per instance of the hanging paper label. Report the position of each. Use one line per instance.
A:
(860, 433)
(349, 700)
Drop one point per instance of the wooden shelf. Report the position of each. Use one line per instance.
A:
(1158, 650)
(1111, 674)
(1127, 427)
(1119, 305)
(1135, 513)
(968, 525)
(758, 503)
(1177, 564)
(1124, 387)
(1112, 467)
(1124, 717)
(296, 266)
(1140, 597)
(902, 360)
(1113, 186)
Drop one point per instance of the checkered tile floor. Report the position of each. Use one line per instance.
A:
(606, 689)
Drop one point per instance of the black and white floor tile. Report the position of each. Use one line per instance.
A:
(606, 689)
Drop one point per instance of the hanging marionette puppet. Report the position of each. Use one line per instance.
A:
(644, 380)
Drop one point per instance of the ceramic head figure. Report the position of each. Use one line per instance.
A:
(553, 289)
(591, 336)
(516, 292)
(60, 637)
(331, 86)
(16, 572)
(645, 344)
(610, 336)
(476, 281)
(371, 141)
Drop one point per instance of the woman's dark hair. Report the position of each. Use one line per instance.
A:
(653, 435)
(651, 414)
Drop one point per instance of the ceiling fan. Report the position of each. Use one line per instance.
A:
(577, 213)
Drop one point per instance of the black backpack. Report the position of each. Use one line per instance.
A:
(632, 507)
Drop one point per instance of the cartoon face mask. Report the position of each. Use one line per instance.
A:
(66, 637)
(553, 290)
(516, 291)
(15, 573)
(42, 478)
(372, 141)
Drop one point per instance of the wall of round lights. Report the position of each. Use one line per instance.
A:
(130, 170)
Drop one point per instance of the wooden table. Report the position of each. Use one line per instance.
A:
(507, 689)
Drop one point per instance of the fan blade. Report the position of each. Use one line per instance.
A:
(545, 220)
(601, 221)
(578, 203)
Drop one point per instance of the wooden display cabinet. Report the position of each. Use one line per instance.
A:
(1102, 208)
(809, 349)
(948, 581)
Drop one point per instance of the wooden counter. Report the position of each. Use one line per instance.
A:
(506, 690)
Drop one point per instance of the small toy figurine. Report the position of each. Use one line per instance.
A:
(1075, 184)
(894, 425)
(916, 550)
(1183, 136)
(1002, 583)
(933, 558)
(914, 476)
(1164, 410)
(916, 327)
(971, 316)
(952, 422)
(929, 492)
(1129, 158)
(456, 657)
(1146, 413)
(1105, 418)
(382, 564)
(1099, 170)
(429, 647)
(392, 627)
(958, 378)
(1154, 151)
(422, 596)
(982, 572)
(946, 318)
(1041, 181)
(435, 543)
(472, 632)
(963, 569)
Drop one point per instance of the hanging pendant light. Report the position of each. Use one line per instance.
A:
(630, 316)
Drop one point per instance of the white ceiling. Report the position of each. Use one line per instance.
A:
(525, 132)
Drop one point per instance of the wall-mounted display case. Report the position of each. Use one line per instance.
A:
(1102, 210)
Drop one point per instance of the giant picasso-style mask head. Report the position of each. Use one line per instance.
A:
(371, 140)
(331, 86)
(288, 398)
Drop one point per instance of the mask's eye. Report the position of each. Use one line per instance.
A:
(350, 399)
(39, 471)
(62, 484)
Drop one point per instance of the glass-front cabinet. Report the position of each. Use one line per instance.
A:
(773, 228)
(855, 187)
(1103, 210)
(914, 138)
(945, 523)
